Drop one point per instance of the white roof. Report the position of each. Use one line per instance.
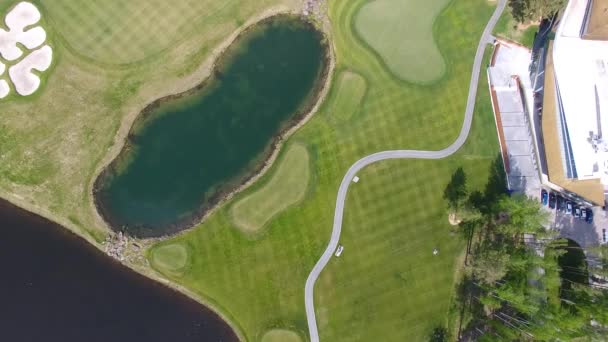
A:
(581, 69)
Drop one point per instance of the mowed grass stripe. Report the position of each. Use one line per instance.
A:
(123, 32)
(401, 32)
(286, 187)
(259, 279)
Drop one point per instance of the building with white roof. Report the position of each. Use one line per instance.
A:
(575, 108)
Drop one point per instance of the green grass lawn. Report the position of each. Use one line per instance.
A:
(508, 28)
(394, 216)
(279, 335)
(119, 32)
(401, 32)
(286, 187)
(171, 258)
(54, 141)
(109, 65)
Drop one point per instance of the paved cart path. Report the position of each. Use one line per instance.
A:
(486, 38)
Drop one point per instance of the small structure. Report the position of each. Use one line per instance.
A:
(356, 179)
(435, 251)
(339, 251)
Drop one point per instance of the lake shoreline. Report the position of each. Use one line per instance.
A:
(259, 165)
(57, 242)
(96, 233)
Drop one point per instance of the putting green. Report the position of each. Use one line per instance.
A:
(346, 99)
(281, 335)
(286, 187)
(401, 32)
(171, 257)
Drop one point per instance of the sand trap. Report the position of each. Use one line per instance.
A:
(25, 81)
(20, 17)
(4, 89)
(453, 219)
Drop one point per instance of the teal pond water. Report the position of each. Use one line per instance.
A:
(185, 152)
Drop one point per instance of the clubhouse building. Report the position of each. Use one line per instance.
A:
(574, 104)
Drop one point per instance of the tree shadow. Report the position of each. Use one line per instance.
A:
(495, 188)
(456, 191)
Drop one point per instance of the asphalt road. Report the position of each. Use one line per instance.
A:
(486, 38)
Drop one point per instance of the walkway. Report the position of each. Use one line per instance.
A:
(486, 38)
(512, 96)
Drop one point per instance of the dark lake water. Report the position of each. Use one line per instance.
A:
(186, 152)
(56, 287)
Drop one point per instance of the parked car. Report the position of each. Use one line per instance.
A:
(577, 212)
(569, 207)
(561, 203)
(544, 197)
(605, 236)
(589, 216)
(552, 200)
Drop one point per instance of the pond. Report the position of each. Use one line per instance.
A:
(56, 287)
(186, 152)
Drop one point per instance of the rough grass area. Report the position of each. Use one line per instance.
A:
(170, 257)
(280, 335)
(286, 187)
(401, 32)
(117, 32)
(508, 28)
(394, 217)
(345, 100)
(53, 142)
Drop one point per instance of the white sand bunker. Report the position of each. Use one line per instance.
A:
(25, 81)
(21, 35)
(20, 17)
(4, 88)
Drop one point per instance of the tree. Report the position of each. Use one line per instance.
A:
(519, 9)
(491, 267)
(523, 215)
(439, 334)
(601, 269)
(531, 10)
(540, 9)
(455, 192)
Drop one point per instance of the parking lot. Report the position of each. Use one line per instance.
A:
(585, 233)
(511, 92)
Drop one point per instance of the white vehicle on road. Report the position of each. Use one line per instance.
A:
(339, 251)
